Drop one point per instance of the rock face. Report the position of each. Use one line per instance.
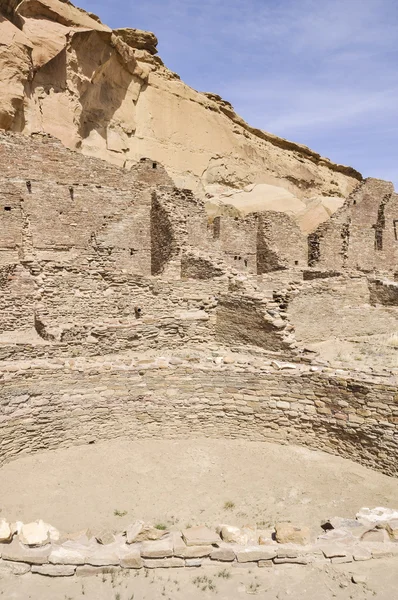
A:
(105, 93)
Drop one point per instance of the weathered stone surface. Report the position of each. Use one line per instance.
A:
(105, 537)
(359, 579)
(361, 554)
(20, 553)
(71, 553)
(338, 560)
(217, 162)
(179, 545)
(13, 568)
(254, 553)
(136, 38)
(35, 534)
(334, 551)
(139, 532)
(376, 515)
(193, 562)
(5, 531)
(157, 549)
(235, 535)
(194, 551)
(392, 529)
(131, 559)
(286, 533)
(298, 560)
(375, 535)
(54, 570)
(164, 563)
(200, 536)
(15, 65)
(102, 556)
(223, 553)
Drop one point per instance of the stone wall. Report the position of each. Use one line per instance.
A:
(383, 292)
(41, 549)
(47, 404)
(95, 311)
(362, 234)
(339, 307)
(280, 243)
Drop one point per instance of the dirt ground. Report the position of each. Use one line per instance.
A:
(182, 482)
(375, 579)
(379, 352)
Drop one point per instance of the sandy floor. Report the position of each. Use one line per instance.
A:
(375, 351)
(187, 482)
(376, 579)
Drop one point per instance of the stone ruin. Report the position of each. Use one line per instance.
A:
(128, 307)
(39, 548)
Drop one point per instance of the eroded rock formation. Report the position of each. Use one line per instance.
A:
(107, 94)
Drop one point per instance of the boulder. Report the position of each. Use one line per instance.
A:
(286, 533)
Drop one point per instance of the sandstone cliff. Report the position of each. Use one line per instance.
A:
(107, 94)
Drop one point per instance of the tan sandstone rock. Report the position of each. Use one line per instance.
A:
(5, 531)
(287, 533)
(157, 549)
(61, 50)
(35, 534)
(200, 536)
(140, 532)
(392, 529)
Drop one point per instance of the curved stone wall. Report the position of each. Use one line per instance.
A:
(58, 403)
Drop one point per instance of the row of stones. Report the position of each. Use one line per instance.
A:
(83, 557)
(216, 361)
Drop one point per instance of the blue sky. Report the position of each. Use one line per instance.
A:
(320, 72)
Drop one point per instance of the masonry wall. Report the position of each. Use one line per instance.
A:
(93, 311)
(238, 242)
(280, 243)
(339, 307)
(362, 234)
(56, 404)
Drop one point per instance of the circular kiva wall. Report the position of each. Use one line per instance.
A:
(54, 404)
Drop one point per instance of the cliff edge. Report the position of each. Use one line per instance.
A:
(108, 94)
